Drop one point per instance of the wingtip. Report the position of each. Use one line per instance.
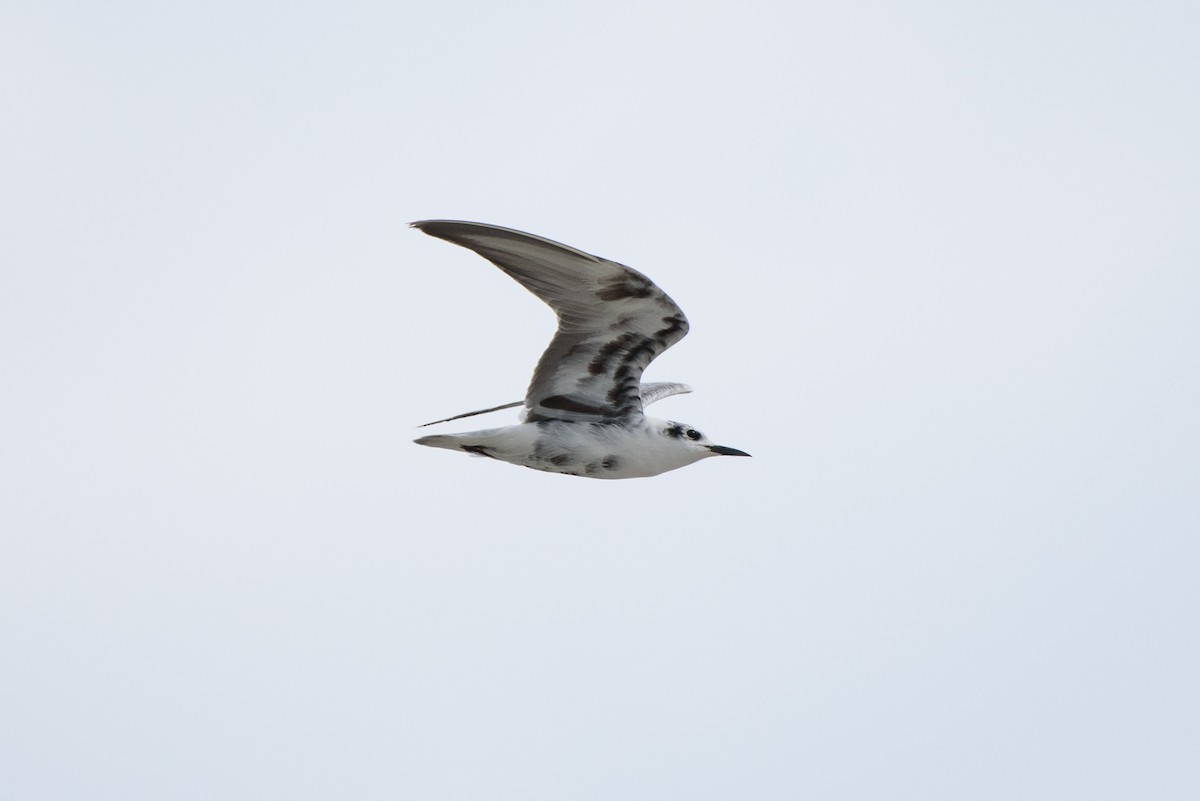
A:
(442, 229)
(421, 225)
(501, 407)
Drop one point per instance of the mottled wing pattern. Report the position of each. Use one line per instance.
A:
(612, 321)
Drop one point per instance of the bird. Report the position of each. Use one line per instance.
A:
(584, 410)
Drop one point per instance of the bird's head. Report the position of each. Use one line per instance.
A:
(695, 443)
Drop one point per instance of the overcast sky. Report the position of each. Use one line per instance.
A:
(942, 267)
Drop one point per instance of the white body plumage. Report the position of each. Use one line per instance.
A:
(595, 450)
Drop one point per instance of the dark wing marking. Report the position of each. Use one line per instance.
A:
(612, 321)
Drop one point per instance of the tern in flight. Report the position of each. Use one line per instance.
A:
(584, 412)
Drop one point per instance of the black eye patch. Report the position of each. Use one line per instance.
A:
(675, 431)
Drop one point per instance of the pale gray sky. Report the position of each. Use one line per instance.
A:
(942, 267)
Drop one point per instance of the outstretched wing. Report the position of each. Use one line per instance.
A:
(650, 393)
(612, 321)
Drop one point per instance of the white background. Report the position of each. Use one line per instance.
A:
(942, 267)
